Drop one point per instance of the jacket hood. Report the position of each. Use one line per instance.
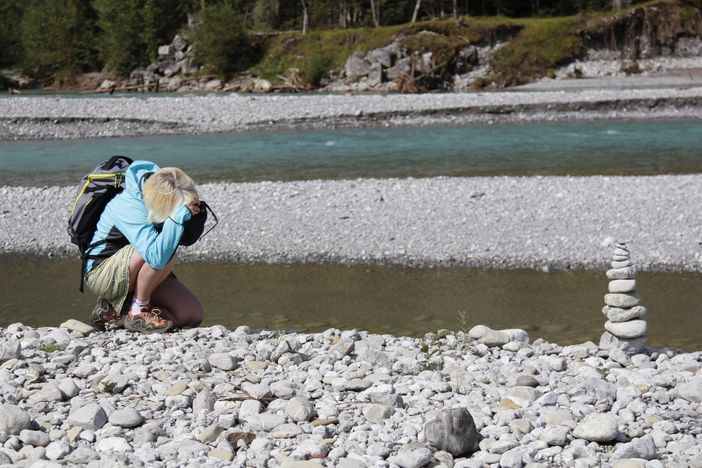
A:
(134, 176)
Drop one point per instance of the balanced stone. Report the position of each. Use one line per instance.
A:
(627, 330)
(622, 273)
(622, 299)
(617, 314)
(622, 285)
(621, 263)
(621, 251)
(620, 258)
(633, 345)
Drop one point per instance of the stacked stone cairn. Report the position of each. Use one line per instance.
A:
(625, 330)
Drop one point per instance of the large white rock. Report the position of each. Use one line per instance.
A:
(48, 393)
(691, 391)
(597, 427)
(77, 326)
(622, 285)
(627, 330)
(90, 416)
(622, 299)
(222, 361)
(126, 417)
(10, 349)
(299, 409)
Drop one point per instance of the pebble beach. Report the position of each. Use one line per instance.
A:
(219, 397)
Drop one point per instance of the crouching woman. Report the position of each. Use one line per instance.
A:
(130, 267)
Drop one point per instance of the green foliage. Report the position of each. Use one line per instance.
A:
(10, 43)
(221, 42)
(50, 347)
(57, 38)
(539, 48)
(121, 46)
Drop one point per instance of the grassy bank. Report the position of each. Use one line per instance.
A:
(533, 47)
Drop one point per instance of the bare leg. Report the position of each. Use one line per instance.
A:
(143, 279)
(185, 310)
(179, 304)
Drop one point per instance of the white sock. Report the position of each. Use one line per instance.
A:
(137, 305)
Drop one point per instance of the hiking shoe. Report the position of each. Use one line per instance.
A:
(103, 316)
(148, 321)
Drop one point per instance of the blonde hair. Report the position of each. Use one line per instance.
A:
(165, 190)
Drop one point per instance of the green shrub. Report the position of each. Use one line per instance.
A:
(221, 42)
(536, 51)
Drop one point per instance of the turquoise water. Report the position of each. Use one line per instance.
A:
(562, 148)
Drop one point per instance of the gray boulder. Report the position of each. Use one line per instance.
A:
(380, 56)
(357, 66)
(13, 420)
(402, 67)
(453, 431)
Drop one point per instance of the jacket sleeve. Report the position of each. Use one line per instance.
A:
(156, 248)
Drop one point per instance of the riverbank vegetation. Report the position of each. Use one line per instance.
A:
(54, 41)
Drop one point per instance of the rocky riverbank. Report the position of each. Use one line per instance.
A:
(50, 117)
(481, 222)
(219, 397)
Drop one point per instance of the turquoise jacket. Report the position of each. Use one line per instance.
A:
(124, 222)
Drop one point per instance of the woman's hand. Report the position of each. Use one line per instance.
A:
(194, 207)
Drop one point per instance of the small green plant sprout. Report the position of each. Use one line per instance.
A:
(463, 324)
(432, 347)
(50, 347)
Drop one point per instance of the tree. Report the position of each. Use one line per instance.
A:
(121, 44)
(305, 18)
(57, 38)
(221, 42)
(416, 10)
(10, 41)
(374, 13)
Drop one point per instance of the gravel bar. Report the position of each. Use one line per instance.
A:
(60, 118)
(483, 222)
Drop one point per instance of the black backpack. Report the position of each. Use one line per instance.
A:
(96, 189)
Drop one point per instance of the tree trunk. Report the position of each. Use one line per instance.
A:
(416, 10)
(455, 9)
(374, 14)
(305, 18)
(342, 14)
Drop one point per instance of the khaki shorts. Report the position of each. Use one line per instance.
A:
(110, 279)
